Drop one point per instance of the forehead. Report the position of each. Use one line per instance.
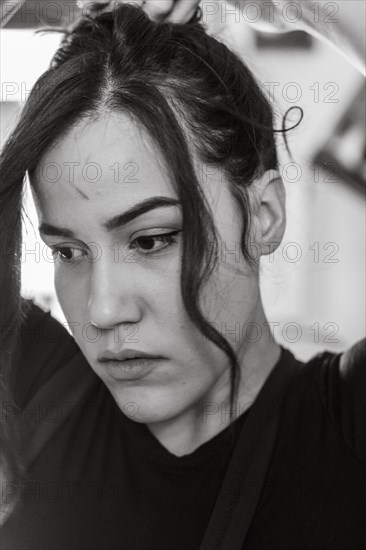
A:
(104, 166)
(96, 158)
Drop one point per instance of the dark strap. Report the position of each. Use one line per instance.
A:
(244, 479)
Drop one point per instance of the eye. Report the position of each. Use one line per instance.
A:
(67, 254)
(148, 244)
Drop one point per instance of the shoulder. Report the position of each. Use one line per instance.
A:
(346, 369)
(341, 380)
(337, 381)
(53, 384)
(342, 386)
(48, 360)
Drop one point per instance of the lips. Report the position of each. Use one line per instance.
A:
(123, 355)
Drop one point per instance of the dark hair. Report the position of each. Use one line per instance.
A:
(188, 90)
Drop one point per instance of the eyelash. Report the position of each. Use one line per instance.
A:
(168, 239)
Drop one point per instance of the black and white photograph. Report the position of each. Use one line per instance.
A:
(183, 297)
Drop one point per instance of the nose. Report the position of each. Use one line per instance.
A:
(113, 298)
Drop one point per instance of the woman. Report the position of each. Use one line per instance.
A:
(151, 155)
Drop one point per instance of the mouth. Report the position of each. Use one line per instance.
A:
(129, 364)
(130, 369)
(123, 355)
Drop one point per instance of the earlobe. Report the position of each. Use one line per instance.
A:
(270, 210)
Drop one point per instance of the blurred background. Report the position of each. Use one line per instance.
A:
(313, 286)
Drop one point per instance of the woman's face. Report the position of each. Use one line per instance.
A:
(109, 212)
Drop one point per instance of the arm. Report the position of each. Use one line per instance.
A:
(341, 23)
(342, 387)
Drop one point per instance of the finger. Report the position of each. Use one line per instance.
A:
(107, 5)
(138, 3)
(88, 4)
(157, 10)
(182, 11)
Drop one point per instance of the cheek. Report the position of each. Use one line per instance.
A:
(73, 300)
(71, 296)
(230, 297)
(230, 301)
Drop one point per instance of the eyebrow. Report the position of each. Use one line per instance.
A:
(117, 221)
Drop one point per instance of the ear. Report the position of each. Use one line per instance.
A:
(268, 211)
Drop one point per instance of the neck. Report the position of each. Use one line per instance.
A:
(183, 434)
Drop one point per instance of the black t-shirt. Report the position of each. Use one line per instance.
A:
(97, 480)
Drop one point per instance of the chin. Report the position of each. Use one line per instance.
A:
(147, 415)
(152, 403)
(147, 410)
